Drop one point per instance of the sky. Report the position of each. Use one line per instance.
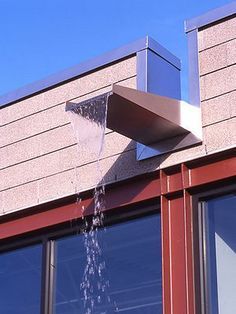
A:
(39, 38)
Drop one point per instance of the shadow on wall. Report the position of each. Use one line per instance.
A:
(127, 166)
(124, 168)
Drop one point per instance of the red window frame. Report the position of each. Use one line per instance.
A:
(175, 187)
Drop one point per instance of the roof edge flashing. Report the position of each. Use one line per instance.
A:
(210, 17)
(88, 66)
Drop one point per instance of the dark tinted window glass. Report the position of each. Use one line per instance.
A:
(20, 281)
(132, 255)
(221, 254)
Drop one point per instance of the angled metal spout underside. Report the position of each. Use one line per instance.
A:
(147, 118)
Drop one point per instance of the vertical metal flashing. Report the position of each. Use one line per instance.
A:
(142, 86)
(156, 75)
(194, 85)
(142, 70)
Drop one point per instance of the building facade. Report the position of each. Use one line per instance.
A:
(170, 212)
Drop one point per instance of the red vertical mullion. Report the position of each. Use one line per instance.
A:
(166, 281)
(175, 296)
(177, 256)
(188, 223)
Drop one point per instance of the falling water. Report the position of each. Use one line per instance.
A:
(89, 123)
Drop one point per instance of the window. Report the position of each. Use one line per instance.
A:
(220, 254)
(129, 264)
(131, 277)
(20, 281)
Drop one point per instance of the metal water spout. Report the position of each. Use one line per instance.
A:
(147, 118)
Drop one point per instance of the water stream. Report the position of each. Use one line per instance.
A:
(89, 123)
